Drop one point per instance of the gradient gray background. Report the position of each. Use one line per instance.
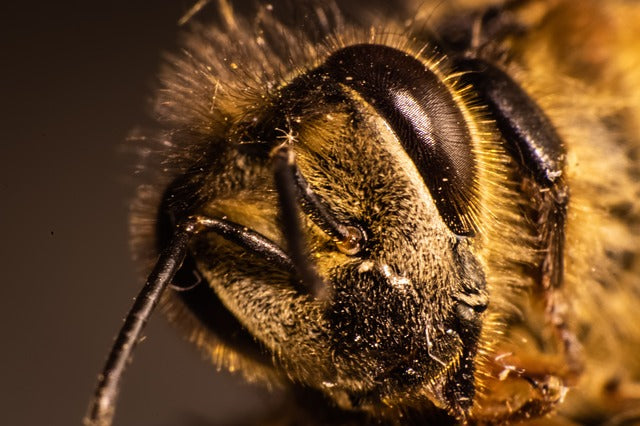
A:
(76, 78)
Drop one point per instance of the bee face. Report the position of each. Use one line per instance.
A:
(376, 296)
(396, 222)
(377, 337)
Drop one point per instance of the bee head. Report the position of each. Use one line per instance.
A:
(404, 315)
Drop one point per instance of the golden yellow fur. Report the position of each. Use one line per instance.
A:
(579, 60)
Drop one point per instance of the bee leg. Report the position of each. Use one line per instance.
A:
(537, 376)
(530, 136)
(552, 209)
(535, 146)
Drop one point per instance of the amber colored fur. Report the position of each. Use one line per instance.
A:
(579, 60)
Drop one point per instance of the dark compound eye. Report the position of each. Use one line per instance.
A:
(422, 112)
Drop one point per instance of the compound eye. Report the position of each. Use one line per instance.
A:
(421, 110)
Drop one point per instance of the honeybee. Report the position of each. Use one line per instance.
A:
(426, 214)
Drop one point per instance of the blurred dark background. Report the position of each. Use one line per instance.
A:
(76, 78)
